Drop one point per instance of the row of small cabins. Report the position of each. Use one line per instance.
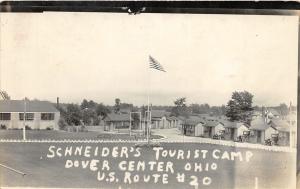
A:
(43, 115)
(262, 127)
(258, 131)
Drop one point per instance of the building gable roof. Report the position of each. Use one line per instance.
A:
(193, 121)
(159, 113)
(259, 124)
(31, 106)
(281, 125)
(171, 118)
(232, 124)
(117, 117)
(211, 123)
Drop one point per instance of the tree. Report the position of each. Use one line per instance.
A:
(92, 104)
(62, 123)
(84, 104)
(239, 107)
(102, 110)
(74, 115)
(88, 104)
(4, 95)
(263, 111)
(135, 120)
(284, 110)
(117, 105)
(232, 111)
(180, 108)
(89, 116)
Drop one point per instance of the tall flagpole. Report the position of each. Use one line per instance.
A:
(155, 65)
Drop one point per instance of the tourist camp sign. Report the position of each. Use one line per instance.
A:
(128, 165)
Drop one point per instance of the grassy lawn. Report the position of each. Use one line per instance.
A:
(61, 135)
(273, 169)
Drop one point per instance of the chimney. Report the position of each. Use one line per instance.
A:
(57, 101)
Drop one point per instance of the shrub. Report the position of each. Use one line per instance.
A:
(62, 124)
(27, 127)
(3, 127)
(83, 129)
(49, 128)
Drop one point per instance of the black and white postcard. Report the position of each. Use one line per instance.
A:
(150, 100)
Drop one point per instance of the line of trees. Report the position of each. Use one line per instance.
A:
(181, 108)
(87, 113)
(91, 113)
(238, 108)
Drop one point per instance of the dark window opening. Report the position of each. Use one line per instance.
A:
(4, 116)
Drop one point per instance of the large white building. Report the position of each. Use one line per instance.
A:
(39, 114)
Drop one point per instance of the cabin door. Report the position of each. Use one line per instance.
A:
(209, 132)
(232, 133)
(259, 136)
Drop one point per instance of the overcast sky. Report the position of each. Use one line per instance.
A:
(103, 56)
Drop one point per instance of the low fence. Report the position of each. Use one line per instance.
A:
(97, 128)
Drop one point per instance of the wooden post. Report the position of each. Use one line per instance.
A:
(24, 120)
(130, 124)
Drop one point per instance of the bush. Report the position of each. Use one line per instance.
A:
(3, 127)
(62, 124)
(83, 129)
(49, 128)
(27, 127)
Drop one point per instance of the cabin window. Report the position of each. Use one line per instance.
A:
(121, 124)
(227, 130)
(47, 116)
(29, 116)
(4, 116)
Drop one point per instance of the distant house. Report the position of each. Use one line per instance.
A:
(286, 132)
(234, 129)
(212, 127)
(260, 130)
(193, 126)
(196, 126)
(173, 121)
(161, 119)
(180, 121)
(115, 121)
(39, 114)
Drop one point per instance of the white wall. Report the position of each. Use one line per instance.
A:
(37, 123)
(199, 130)
(164, 123)
(268, 133)
(241, 129)
(219, 128)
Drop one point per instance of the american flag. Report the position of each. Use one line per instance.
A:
(155, 64)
